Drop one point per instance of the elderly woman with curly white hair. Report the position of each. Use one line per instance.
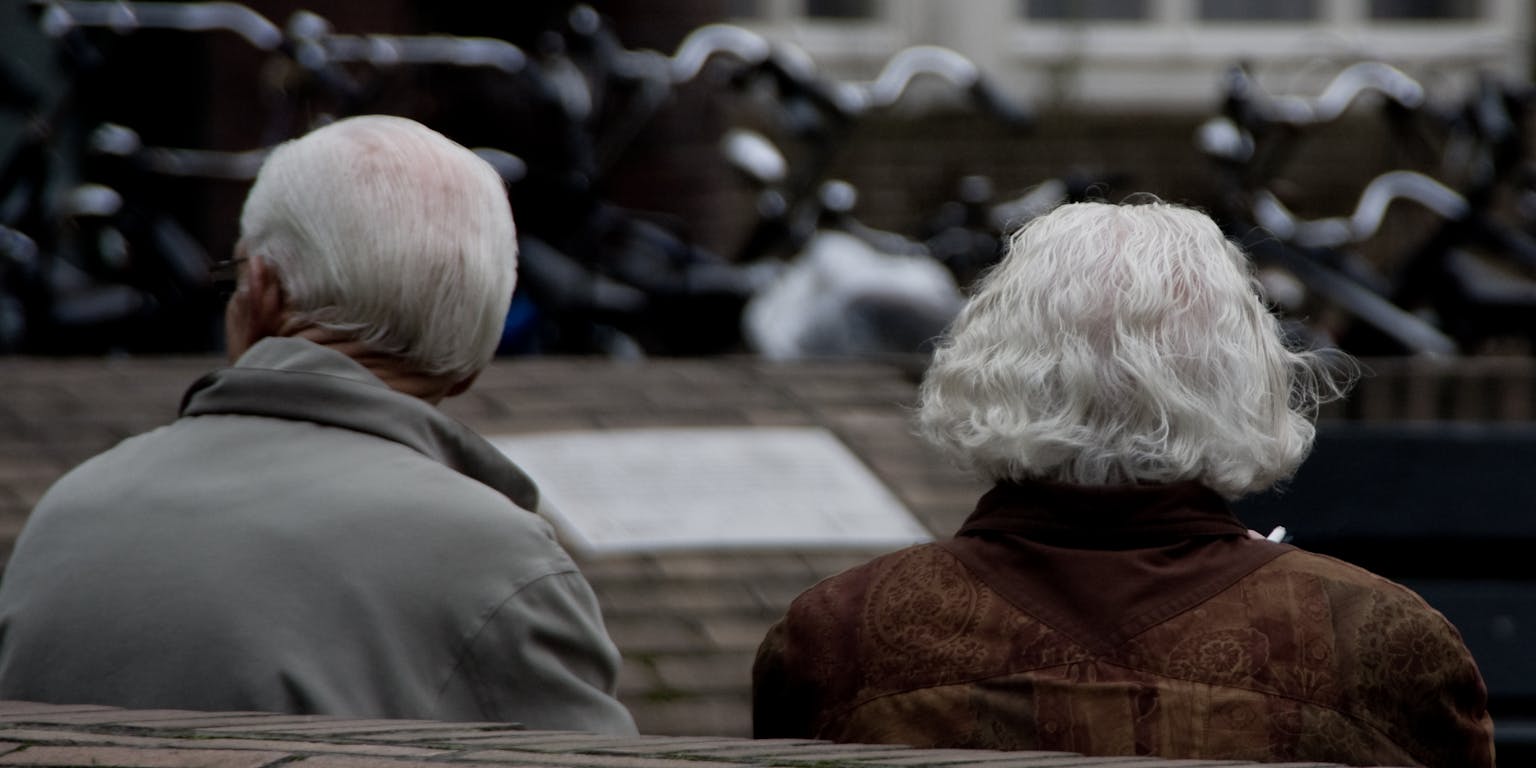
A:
(1119, 380)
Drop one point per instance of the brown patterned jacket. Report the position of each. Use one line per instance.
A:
(1125, 621)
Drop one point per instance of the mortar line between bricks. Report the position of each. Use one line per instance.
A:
(287, 760)
(293, 741)
(323, 746)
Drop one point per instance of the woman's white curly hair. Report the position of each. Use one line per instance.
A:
(1122, 344)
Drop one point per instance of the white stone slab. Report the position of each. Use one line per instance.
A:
(710, 488)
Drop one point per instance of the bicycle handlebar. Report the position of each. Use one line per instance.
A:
(704, 43)
(908, 64)
(120, 141)
(1340, 93)
(1369, 212)
(17, 248)
(388, 50)
(59, 16)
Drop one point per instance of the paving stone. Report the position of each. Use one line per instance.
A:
(775, 596)
(778, 417)
(706, 673)
(857, 391)
(18, 467)
(670, 597)
(1095, 762)
(740, 749)
(658, 745)
(321, 747)
(1047, 760)
(57, 735)
(539, 741)
(841, 752)
(1173, 764)
(695, 715)
(9, 708)
(737, 633)
(1152, 762)
(348, 761)
(682, 396)
(26, 492)
(830, 563)
(150, 738)
(306, 747)
(194, 720)
(699, 746)
(446, 735)
(639, 635)
(12, 519)
(533, 424)
(990, 759)
(321, 725)
(590, 760)
(951, 756)
(1056, 760)
(274, 724)
(620, 567)
(112, 716)
(647, 419)
(707, 566)
(130, 757)
(590, 391)
(83, 715)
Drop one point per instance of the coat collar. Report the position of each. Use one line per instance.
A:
(290, 378)
(1103, 517)
(1105, 564)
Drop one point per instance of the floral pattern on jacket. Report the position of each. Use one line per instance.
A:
(1261, 652)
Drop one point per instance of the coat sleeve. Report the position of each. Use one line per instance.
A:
(544, 659)
(810, 667)
(781, 708)
(1443, 703)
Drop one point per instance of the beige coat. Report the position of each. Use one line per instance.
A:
(305, 539)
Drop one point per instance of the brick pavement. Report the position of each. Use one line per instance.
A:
(687, 623)
(52, 735)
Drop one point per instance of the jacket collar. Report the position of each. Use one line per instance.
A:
(1103, 517)
(296, 379)
(1105, 564)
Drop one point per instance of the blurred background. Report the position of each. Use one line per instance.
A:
(823, 180)
(794, 178)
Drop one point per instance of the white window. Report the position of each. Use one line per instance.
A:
(1258, 10)
(1158, 54)
(839, 9)
(1085, 10)
(1424, 9)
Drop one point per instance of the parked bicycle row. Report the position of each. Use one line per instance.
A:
(91, 261)
(1464, 279)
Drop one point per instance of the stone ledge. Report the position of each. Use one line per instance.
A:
(72, 735)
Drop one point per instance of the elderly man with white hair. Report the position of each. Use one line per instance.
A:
(312, 535)
(1118, 379)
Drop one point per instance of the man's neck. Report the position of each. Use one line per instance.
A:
(394, 372)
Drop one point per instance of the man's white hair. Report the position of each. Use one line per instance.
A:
(386, 231)
(1121, 344)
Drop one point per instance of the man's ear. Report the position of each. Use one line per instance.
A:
(266, 302)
